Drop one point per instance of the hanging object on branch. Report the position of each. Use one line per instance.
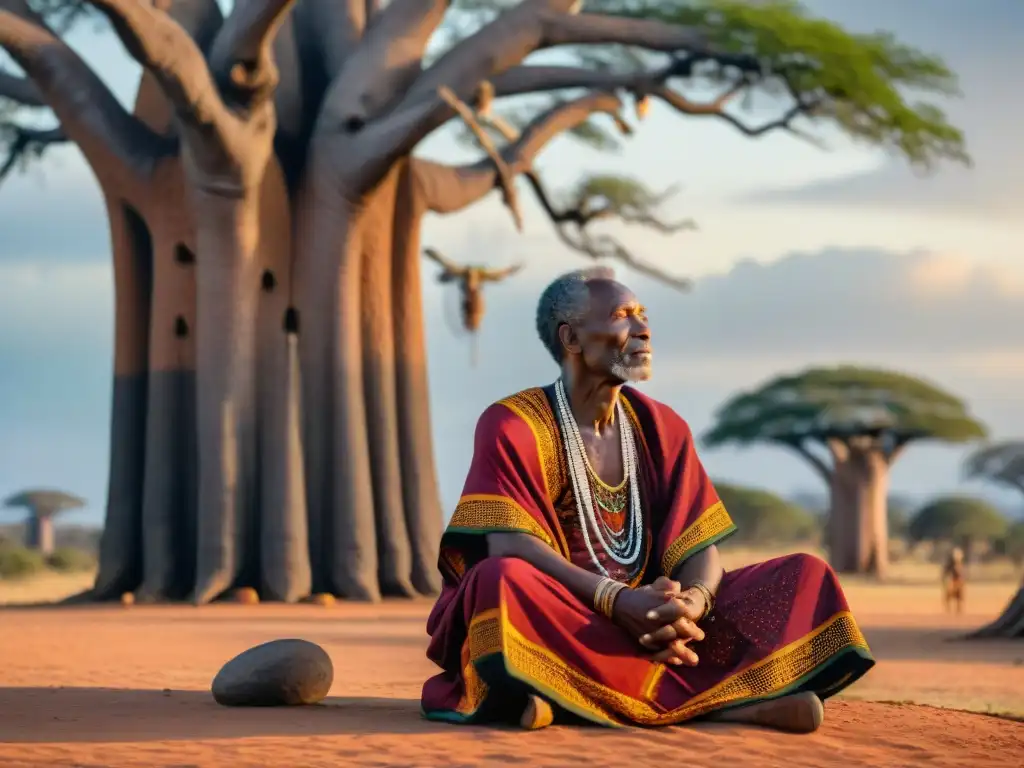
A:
(470, 279)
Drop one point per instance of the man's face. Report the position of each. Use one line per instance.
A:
(614, 335)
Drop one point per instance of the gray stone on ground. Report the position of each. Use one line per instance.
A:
(275, 674)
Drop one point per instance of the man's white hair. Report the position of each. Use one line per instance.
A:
(565, 301)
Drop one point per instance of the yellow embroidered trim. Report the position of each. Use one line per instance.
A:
(483, 512)
(532, 406)
(484, 639)
(474, 692)
(541, 667)
(712, 522)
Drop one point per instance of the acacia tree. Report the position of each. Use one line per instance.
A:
(270, 421)
(958, 519)
(850, 424)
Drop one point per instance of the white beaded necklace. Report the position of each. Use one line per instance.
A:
(622, 546)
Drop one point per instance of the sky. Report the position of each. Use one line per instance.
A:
(803, 257)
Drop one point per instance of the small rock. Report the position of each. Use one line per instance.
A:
(278, 673)
(128, 598)
(245, 596)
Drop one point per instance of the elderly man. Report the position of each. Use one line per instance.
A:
(581, 573)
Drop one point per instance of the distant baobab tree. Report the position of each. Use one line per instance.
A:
(850, 425)
(265, 203)
(42, 505)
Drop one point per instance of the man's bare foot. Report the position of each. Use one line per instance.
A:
(538, 714)
(799, 713)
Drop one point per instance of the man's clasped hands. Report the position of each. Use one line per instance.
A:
(662, 616)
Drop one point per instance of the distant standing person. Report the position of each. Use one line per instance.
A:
(953, 579)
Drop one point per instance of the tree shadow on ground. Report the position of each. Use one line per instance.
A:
(940, 644)
(49, 715)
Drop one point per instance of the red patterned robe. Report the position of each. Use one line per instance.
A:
(501, 628)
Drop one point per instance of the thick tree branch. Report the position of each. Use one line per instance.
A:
(448, 189)
(334, 27)
(241, 58)
(504, 43)
(601, 29)
(88, 113)
(538, 79)
(388, 58)
(820, 467)
(163, 48)
(20, 90)
(451, 188)
(504, 174)
(839, 449)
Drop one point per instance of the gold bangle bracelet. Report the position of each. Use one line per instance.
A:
(604, 595)
(709, 599)
(613, 593)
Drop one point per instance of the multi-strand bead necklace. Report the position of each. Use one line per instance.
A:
(623, 545)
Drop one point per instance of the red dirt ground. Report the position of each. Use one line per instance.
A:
(112, 686)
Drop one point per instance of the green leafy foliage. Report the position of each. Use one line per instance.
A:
(763, 517)
(870, 86)
(958, 519)
(857, 82)
(843, 402)
(18, 562)
(817, 75)
(623, 194)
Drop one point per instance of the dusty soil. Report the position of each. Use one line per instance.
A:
(113, 686)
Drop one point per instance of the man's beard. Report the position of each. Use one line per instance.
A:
(625, 369)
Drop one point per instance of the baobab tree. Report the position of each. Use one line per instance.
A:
(270, 421)
(42, 505)
(850, 424)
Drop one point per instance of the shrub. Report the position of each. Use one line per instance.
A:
(18, 562)
(960, 519)
(71, 559)
(764, 518)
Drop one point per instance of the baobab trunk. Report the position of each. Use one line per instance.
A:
(120, 558)
(226, 310)
(284, 565)
(39, 535)
(169, 478)
(377, 231)
(858, 528)
(370, 469)
(421, 496)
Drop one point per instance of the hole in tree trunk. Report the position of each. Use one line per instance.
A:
(291, 320)
(183, 255)
(180, 327)
(268, 281)
(354, 124)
